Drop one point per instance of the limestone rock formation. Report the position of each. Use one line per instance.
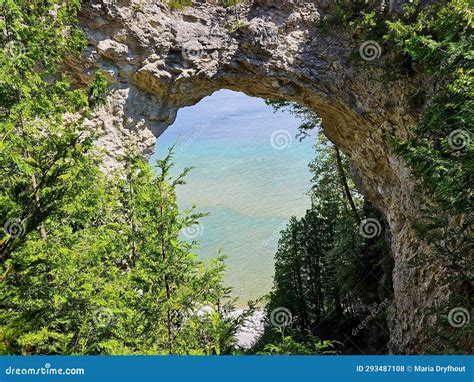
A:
(158, 61)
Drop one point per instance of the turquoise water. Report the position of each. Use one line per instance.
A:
(250, 174)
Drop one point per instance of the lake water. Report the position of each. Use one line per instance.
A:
(250, 174)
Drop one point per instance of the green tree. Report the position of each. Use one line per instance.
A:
(176, 294)
(326, 273)
(42, 144)
(438, 39)
(89, 263)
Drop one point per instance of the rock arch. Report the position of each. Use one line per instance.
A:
(157, 61)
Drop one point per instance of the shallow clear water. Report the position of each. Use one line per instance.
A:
(250, 174)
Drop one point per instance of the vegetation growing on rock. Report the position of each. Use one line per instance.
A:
(90, 264)
(94, 264)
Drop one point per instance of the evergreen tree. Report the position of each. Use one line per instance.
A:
(89, 263)
(176, 294)
(326, 273)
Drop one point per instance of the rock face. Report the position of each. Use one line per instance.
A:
(158, 61)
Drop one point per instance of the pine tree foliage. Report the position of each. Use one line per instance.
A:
(438, 40)
(89, 263)
(326, 273)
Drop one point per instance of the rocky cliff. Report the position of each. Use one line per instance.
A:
(158, 60)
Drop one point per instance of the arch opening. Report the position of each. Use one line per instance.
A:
(250, 174)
